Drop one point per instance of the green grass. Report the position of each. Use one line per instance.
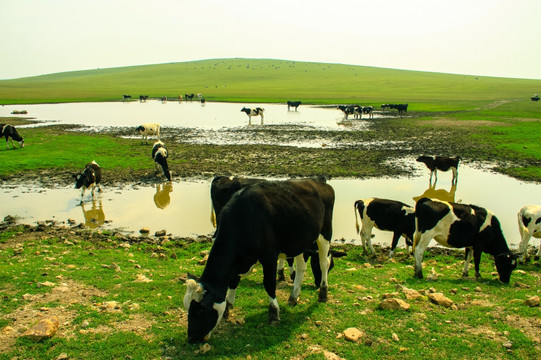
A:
(487, 314)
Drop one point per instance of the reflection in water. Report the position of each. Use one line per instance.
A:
(439, 194)
(94, 216)
(162, 197)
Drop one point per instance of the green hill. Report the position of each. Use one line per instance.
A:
(267, 80)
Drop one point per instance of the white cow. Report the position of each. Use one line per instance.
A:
(529, 224)
(148, 129)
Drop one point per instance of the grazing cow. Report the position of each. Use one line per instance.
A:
(461, 226)
(402, 108)
(293, 104)
(148, 129)
(223, 188)
(529, 224)
(535, 97)
(143, 98)
(347, 110)
(89, 178)
(253, 112)
(260, 223)
(440, 163)
(387, 215)
(10, 133)
(369, 110)
(126, 97)
(159, 155)
(199, 96)
(188, 97)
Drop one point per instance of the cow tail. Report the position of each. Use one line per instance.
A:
(356, 210)
(212, 215)
(521, 227)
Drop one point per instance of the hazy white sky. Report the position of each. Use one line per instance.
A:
(478, 37)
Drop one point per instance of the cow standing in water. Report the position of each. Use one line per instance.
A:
(89, 178)
(253, 112)
(442, 163)
(261, 223)
(10, 133)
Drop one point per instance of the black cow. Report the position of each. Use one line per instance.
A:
(253, 112)
(143, 98)
(189, 97)
(260, 223)
(10, 133)
(402, 108)
(222, 189)
(126, 97)
(369, 110)
(160, 155)
(387, 215)
(442, 163)
(535, 97)
(294, 104)
(89, 178)
(461, 226)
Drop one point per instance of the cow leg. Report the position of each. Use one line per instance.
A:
(281, 276)
(323, 246)
(419, 247)
(536, 257)
(396, 236)
(455, 176)
(231, 293)
(300, 268)
(467, 260)
(477, 260)
(523, 246)
(435, 175)
(269, 281)
(366, 238)
(261, 119)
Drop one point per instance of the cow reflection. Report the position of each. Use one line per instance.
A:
(439, 194)
(162, 197)
(94, 216)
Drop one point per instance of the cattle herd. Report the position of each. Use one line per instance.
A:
(267, 222)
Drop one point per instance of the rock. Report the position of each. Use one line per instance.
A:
(533, 301)
(389, 295)
(353, 334)
(507, 344)
(144, 230)
(410, 294)
(46, 283)
(394, 304)
(46, 328)
(62, 356)
(440, 299)
(395, 337)
(142, 278)
(160, 233)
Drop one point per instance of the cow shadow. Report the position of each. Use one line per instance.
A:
(439, 194)
(94, 215)
(162, 197)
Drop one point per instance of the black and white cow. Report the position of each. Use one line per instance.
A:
(223, 188)
(402, 108)
(442, 163)
(89, 178)
(143, 98)
(189, 97)
(535, 97)
(461, 226)
(529, 224)
(369, 110)
(10, 133)
(347, 110)
(148, 129)
(293, 104)
(386, 215)
(385, 107)
(253, 112)
(160, 155)
(126, 97)
(261, 223)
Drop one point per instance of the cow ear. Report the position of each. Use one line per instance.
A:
(194, 290)
(515, 256)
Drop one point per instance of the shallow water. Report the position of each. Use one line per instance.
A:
(182, 208)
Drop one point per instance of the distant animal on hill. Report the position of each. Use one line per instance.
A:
(160, 155)
(89, 178)
(189, 97)
(126, 97)
(143, 98)
(10, 133)
(253, 112)
(148, 129)
(442, 163)
(535, 97)
(293, 104)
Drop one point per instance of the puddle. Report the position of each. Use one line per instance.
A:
(183, 207)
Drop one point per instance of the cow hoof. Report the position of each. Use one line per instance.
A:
(292, 301)
(418, 275)
(281, 276)
(228, 306)
(536, 257)
(464, 275)
(323, 294)
(274, 317)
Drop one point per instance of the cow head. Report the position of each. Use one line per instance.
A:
(86, 178)
(79, 180)
(203, 313)
(140, 129)
(505, 264)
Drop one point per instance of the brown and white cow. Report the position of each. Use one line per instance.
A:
(261, 223)
(89, 178)
(461, 226)
(10, 133)
(529, 224)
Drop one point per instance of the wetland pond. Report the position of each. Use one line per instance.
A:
(183, 208)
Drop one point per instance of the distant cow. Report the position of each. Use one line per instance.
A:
(293, 104)
(164, 98)
(159, 155)
(442, 163)
(369, 110)
(385, 107)
(10, 133)
(402, 108)
(529, 224)
(386, 215)
(143, 98)
(148, 129)
(189, 97)
(260, 223)
(461, 226)
(253, 112)
(535, 97)
(347, 110)
(89, 178)
(126, 97)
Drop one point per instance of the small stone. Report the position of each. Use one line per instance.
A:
(46, 328)
(62, 356)
(507, 344)
(532, 302)
(440, 299)
(142, 278)
(353, 334)
(160, 233)
(144, 230)
(478, 289)
(395, 337)
(394, 304)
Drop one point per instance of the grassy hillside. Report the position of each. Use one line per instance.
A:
(261, 80)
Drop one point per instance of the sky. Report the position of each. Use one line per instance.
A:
(474, 37)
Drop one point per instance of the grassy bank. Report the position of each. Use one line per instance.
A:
(118, 297)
